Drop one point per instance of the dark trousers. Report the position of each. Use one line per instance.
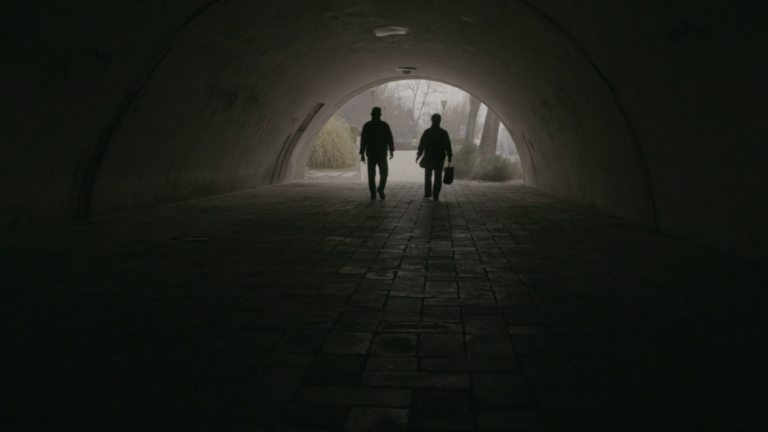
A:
(381, 161)
(437, 169)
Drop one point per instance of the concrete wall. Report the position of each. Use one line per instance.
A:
(650, 112)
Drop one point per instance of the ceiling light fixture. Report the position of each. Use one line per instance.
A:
(389, 31)
(406, 70)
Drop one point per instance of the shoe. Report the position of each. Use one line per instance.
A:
(381, 195)
(373, 195)
(436, 198)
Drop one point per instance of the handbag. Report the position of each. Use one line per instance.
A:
(448, 174)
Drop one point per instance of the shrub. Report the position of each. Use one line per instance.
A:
(463, 160)
(469, 164)
(334, 147)
(457, 142)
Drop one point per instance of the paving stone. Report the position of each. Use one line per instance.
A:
(398, 345)
(442, 314)
(441, 345)
(416, 380)
(489, 345)
(354, 396)
(401, 364)
(441, 410)
(377, 419)
(484, 324)
(470, 365)
(418, 327)
(403, 304)
(347, 343)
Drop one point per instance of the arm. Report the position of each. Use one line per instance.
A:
(422, 144)
(390, 142)
(363, 141)
(448, 149)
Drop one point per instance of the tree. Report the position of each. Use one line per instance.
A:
(474, 107)
(455, 115)
(490, 133)
(419, 91)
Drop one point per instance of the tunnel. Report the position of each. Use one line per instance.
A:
(649, 113)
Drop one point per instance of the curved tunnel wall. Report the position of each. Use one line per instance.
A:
(653, 113)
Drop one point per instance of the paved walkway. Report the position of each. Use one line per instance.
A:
(308, 305)
(402, 167)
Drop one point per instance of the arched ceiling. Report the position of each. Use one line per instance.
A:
(123, 105)
(235, 85)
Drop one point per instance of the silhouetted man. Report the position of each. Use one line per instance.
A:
(375, 139)
(435, 144)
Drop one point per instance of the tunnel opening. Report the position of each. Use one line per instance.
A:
(483, 147)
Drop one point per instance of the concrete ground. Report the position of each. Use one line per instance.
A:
(308, 305)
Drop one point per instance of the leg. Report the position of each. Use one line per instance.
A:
(383, 172)
(427, 182)
(372, 175)
(438, 180)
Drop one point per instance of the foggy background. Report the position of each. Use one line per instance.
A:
(408, 105)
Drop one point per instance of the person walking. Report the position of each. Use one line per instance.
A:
(435, 145)
(375, 139)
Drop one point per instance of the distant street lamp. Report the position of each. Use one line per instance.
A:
(443, 103)
(373, 97)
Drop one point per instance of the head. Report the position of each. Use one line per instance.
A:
(436, 119)
(376, 112)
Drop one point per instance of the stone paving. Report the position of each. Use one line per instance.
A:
(307, 306)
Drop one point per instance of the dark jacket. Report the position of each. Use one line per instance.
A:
(435, 145)
(375, 138)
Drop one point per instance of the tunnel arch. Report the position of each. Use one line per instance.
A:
(613, 102)
(203, 113)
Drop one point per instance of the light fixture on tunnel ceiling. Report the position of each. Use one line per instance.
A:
(389, 31)
(406, 70)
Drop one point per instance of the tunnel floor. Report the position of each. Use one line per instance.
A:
(308, 305)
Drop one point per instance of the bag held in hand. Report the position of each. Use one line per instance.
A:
(448, 175)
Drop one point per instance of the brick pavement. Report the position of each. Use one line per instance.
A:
(307, 305)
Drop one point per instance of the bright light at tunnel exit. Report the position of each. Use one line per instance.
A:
(407, 107)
